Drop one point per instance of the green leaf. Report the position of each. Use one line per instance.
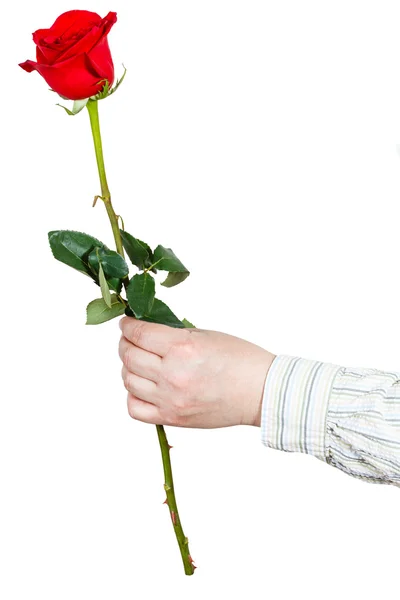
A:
(115, 284)
(161, 313)
(166, 260)
(139, 252)
(175, 278)
(98, 312)
(105, 290)
(187, 323)
(72, 248)
(113, 264)
(140, 293)
(77, 106)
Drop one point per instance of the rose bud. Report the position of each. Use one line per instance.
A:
(73, 56)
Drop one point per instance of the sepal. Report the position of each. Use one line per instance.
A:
(77, 106)
(107, 91)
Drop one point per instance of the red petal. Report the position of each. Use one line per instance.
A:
(45, 55)
(28, 66)
(101, 61)
(71, 78)
(90, 39)
(73, 21)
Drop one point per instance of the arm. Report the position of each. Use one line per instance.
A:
(347, 417)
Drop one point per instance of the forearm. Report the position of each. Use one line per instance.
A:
(348, 417)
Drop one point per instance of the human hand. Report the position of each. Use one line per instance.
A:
(191, 377)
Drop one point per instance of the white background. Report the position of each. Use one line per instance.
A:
(258, 140)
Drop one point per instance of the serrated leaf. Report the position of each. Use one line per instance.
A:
(139, 252)
(187, 323)
(105, 290)
(72, 248)
(161, 313)
(166, 260)
(98, 312)
(140, 294)
(175, 278)
(113, 264)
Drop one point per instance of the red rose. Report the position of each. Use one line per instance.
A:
(73, 55)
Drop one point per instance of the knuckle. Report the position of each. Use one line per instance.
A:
(132, 411)
(171, 418)
(179, 380)
(130, 382)
(179, 406)
(181, 420)
(187, 347)
(136, 333)
(131, 407)
(126, 356)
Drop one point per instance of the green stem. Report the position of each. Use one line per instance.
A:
(183, 541)
(93, 110)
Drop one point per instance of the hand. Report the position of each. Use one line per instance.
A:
(191, 377)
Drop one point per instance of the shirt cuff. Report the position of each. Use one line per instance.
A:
(295, 404)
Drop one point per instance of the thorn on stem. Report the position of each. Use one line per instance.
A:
(173, 517)
(169, 447)
(165, 501)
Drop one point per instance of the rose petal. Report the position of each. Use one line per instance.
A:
(73, 55)
(46, 55)
(75, 78)
(28, 66)
(93, 37)
(73, 21)
(101, 61)
(54, 49)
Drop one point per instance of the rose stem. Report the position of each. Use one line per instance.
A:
(93, 111)
(183, 541)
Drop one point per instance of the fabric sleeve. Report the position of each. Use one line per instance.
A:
(348, 417)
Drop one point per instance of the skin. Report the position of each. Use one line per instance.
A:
(191, 377)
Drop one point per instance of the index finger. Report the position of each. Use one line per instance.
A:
(152, 337)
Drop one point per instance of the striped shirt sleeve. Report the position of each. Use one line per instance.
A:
(348, 417)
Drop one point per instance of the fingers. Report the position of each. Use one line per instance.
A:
(139, 361)
(142, 388)
(143, 411)
(151, 336)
